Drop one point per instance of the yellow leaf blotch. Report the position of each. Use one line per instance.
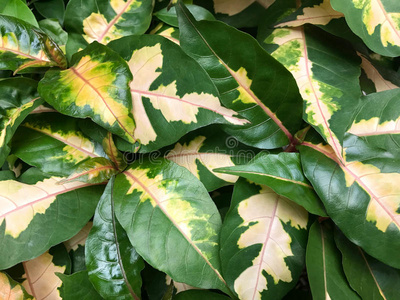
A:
(6, 292)
(320, 14)
(267, 210)
(79, 238)
(19, 202)
(180, 287)
(97, 28)
(146, 64)
(233, 7)
(187, 156)
(374, 14)
(40, 278)
(374, 127)
(167, 33)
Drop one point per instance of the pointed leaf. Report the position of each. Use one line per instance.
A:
(283, 174)
(168, 32)
(171, 221)
(112, 152)
(166, 102)
(377, 22)
(95, 86)
(77, 286)
(18, 97)
(25, 209)
(114, 266)
(324, 267)
(169, 17)
(54, 30)
(10, 289)
(53, 143)
(249, 88)
(19, 9)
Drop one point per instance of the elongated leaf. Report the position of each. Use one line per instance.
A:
(202, 151)
(26, 209)
(54, 30)
(166, 102)
(95, 86)
(18, 97)
(263, 241)
(246, 87)
(77, 286)
(360, 195)
(366, 275)
(171, 221)
(317, 12)
(24, 46)
(105, 20)
(327, 75)
(375, 21)
(113, 264)
(19, 9)
(53, 143)
(112, 152)
(10, 289)
(324, 267)
(283, 174)
(169, 17)
(168, 32)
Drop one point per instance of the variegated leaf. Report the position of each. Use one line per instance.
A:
(249, 88)
(112, 152)
(171, 221)
(283, 174)
(96, 86)
(324, 267)
(318, 12)
(234, 7)
(376, 22)
(168, 16)
(167, 103)
(263, 241)
(18, 97)
(12, 290)
(24, 46)
(168, 32)
(105, 20)
(54, 144)
(179, 287)
(25, 209)
(327, 76)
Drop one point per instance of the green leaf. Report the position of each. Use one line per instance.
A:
(18, 97)
(52, 9)
(169, 16)
(54, 144)
(324, 267)
(10, 289)
(248, 88)
(199, 295)
(112, 152)
(263, 241)
(26, 210)
(168, 32)
(366, 275)
(114, 266)
(104, 21)
(96, 86)
(77, 286)
(54, 30)
(171, 221)
(376, 22)
(283, 174)
(19, 9)
(24, 46)
(167, 103)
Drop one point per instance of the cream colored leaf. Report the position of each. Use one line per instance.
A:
(8, 292)
(79, 238)
(180, 287)
(233, 7)
(374, 127)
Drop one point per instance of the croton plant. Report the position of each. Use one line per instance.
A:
(189, 150)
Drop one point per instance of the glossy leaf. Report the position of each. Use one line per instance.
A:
(324, 267)
(168, 32)
(199, 295)
(366, 275)
(169, 17)
(18, 9)
(76, 248)
(53, 143)
(114, 266)
(171, 221)
(249, 88)
(112, 152)
(375, 21)
(77, 286)
(10, 289)
(105, 20)
(263, 241)
(166, 102)
(67, 207)
(51, 9)
(95, 86)
(24, 46)
(18, 97)
(283, 174)
(54, 30)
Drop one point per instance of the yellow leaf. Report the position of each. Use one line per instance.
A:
(374, 127)
(6, 292)
(233, 7)
(79, 238)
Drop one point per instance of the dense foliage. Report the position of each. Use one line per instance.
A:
(209, 149)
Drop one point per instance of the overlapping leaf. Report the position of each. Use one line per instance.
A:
(112, 152)
(168, 32)
(96, 86)
(168, 16)
(26, 210)
(167, 103)
(18, 9)
(77, 286)
(248, 79)
(375, 21)
(263, 241)
(76, 248)
(10, 289)
(171, 221)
